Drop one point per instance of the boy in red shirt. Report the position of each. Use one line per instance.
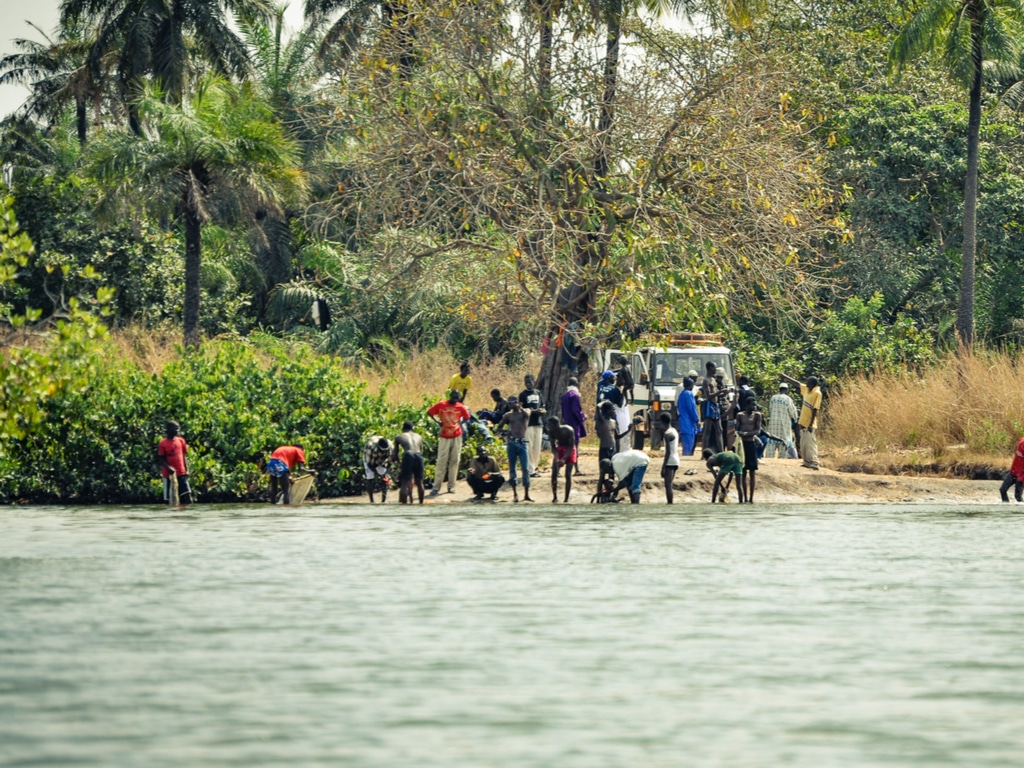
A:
(283, 462)
(1015, 476)
(171, 459)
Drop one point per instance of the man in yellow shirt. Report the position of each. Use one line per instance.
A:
(462, 381)
(811, 394)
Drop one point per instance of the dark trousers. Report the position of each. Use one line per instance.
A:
(713, 435)
(285, 485)
(1007, 482)
(481, 486)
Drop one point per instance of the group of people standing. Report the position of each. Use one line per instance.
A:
(711, 410)
(523, 421)
(519, 418)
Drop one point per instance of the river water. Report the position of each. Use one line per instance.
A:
(788, 635)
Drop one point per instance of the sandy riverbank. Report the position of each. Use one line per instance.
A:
(778, 481)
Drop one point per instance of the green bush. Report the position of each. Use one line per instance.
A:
(98, 445)
(855, 339)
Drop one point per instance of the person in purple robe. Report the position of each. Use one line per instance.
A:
(572, 413)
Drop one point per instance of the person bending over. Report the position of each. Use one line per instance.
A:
(377, 466)
(629, 467)
(724, 466)
(283, 463)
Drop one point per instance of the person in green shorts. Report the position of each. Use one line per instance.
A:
(724, 466)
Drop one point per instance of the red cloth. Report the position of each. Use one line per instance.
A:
(450, 414)
(566, 453)
(290, 455)
(173, 450)
(1017, 468)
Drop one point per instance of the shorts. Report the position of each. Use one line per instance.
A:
(750, 454)
(566, 453)
(412, 468)
(277, 468)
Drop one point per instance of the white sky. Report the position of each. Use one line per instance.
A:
(13, 14)
(44, 13)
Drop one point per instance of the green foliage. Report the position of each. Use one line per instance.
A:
(904, 166)
(98, 443)
(762, 360)
(31, 375)
(855, 340)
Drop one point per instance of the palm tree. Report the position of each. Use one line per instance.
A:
(357, 19)
(282, 68)
(220, 155)
(163, 40)
(56, 73)
(966, 33)
(285, 72)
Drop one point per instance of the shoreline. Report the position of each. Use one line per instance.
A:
(778, 481)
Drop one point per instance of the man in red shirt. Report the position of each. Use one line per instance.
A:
(1015, 476)
(449, 414)
(283, 462)
(170, 455)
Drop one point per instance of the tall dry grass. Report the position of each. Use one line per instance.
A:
(149, 348)
(968, 407)
(411, 376)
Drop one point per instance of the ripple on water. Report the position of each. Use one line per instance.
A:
(796, 635)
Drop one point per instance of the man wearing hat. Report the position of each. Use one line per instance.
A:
(781, 416)
(606, 390)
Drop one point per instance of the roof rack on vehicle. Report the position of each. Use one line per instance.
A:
(676, 339)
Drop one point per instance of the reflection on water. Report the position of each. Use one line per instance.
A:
(512, 636)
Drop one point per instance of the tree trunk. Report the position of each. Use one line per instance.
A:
(193, 259)
(81, 121)
(573, 304)
(965, 308)
(547, 42)
(611, 77)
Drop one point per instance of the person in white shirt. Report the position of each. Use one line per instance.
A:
(671, 464)
(629, 467)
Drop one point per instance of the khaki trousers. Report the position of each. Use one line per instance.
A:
(809, 448)
(534, 443)
(449, 451)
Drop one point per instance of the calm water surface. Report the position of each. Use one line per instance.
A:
(512, 636)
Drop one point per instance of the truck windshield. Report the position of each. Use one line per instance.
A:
(671, 367)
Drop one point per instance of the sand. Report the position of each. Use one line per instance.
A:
(778, 481)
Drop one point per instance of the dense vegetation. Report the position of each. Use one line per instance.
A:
(96, 443)
(478, 174)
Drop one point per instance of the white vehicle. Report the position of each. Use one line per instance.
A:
(658, 370)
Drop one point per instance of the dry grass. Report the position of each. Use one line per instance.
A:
(150, 349)
(408, 377)
(962, 412)
(418, 374)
